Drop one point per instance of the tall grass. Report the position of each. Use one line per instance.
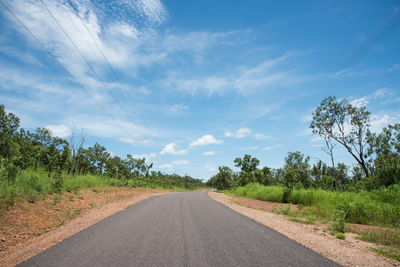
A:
(35, 184)
(378, 207)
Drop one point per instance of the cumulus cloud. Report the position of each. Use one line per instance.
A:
(61, 130)
(263, 136)
(381, 120)
(209, 153)
(242, 132)
(170, 149)
(207, 139)
(210, 167)
(147, 156)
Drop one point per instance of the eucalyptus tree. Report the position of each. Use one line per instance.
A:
(384, 152)
(344, 123)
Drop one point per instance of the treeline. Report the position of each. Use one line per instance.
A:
(336, 122)
(22, 150)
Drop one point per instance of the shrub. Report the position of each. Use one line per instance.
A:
(338, 220)
(340, 236)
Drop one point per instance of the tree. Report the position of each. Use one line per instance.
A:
(247, 164)
(384, 152)
(222, 180)
(76, 143)
(297, 170)
(344, 123)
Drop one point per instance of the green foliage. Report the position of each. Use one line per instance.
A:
(284, 210)
(296, 172)
(388, 252)
(386, 237)
(377, 207)
(338, 220)
(385, 148)
(344, 123)
(340, 236)
(223, 180)
(37, 163)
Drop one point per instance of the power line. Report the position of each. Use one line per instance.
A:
(87, 62)
(113, 71)
(65, 69)
(70, 74)
(115, 74)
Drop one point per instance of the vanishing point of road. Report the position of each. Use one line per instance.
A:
(178, 229)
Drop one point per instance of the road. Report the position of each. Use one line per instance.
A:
(178, 229)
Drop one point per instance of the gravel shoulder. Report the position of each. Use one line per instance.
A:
(33, 243)
(349, 252)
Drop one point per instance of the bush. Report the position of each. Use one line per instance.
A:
(338, 220)
(340, 236)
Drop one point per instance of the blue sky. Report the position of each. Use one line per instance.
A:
(191, 85)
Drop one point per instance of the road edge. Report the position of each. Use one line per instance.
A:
(348, 254)
(34, 246)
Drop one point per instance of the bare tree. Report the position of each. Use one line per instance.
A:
(76, 141)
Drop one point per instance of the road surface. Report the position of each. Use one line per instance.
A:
(178, 229)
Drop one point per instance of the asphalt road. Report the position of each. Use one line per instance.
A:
(178, 229)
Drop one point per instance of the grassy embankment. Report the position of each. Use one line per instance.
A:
(379, 208)
(35, 185)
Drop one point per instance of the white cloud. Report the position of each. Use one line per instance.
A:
(153, 9)
(170, 149)
(147, 156)
(379, 121)
(180, 162)
(177, 108)
(382, 93)
(270, 147)
(166, 166)
(306, 118)
(263, 136)
(245, 80)
(209, 153)
(61, 130)
(360, 102)
(134, 142)
(210, 167)
(207, 139)
(242, 132)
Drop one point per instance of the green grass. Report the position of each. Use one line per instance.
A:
(386, 237)
(388, 252)
(301, 221)
(34, 185)
(340, 236)
(378, 207)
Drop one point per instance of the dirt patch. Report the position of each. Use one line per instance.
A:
(29, 228)
(349, 252)
(263, 205)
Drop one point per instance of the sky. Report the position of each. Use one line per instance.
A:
(192, 85)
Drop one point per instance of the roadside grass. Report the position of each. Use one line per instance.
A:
(302, 221)
(388, 240)
(35, 185)
(314, 206)
(379, 207)
(388, 252)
